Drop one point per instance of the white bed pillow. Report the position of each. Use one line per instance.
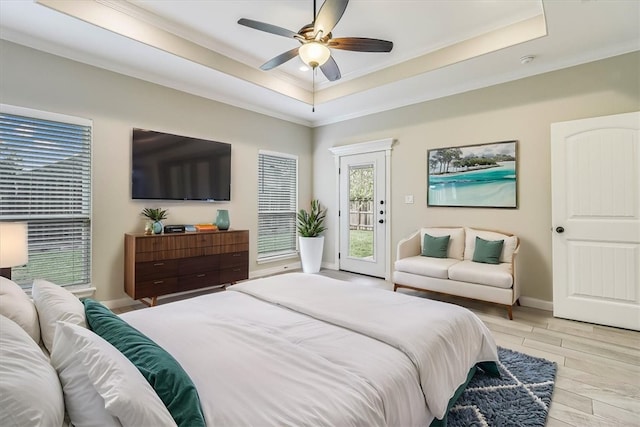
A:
(17, 306)
(508, 247)
(125, 392)
(84, 405)
(54, 303)
(30, 392)
(456, 239)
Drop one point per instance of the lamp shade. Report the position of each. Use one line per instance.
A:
(314, 54)
(13, 244)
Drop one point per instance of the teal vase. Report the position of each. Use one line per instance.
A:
(222, 219)
(157, 227)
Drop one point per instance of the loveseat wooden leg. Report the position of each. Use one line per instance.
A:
(395, 287)
(510, 312)
(518, 302)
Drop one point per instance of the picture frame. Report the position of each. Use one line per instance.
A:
(474, 176)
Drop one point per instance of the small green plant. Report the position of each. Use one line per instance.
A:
(154, 214)
(310, 224)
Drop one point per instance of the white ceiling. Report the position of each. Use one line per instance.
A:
(441, 47)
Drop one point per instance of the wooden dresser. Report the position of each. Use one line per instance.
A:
(167, 263)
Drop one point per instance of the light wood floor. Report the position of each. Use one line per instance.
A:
(598, 379)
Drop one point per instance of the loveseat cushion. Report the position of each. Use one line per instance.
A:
(509, 246)
(498, 275)
(426, 266)
(456, 239)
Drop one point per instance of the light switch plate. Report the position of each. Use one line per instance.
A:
(408, 198)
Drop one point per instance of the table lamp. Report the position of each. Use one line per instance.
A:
(13, 246)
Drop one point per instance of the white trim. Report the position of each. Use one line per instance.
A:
(44, 115)
(536, 303)
(363, 147)
(385, 145)
(83, 292)
(278, 154)
(274, 270)
(288, 255)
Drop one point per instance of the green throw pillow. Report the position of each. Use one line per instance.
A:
(171, 383)
(487, 251)
(435, 247)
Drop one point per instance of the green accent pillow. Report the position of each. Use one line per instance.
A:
(487, 251)
(161, 370)
(435, 247)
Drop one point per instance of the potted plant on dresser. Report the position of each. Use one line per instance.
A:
(156, 215)
(310, 225)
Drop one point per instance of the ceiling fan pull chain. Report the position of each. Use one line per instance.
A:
(313, 87)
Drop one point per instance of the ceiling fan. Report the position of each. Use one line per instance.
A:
(316, 39)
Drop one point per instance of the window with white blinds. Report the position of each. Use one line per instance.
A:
(45, 181)
(277, 205)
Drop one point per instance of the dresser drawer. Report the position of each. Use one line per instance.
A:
(234, 274)
(200, 280)
(233, 259)
(156, 269)
(154, 288)
(199, 264)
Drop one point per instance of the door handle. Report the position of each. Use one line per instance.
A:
(559, 230)
(381, 221)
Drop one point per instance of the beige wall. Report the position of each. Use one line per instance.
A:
(116, 104)
(522, 110)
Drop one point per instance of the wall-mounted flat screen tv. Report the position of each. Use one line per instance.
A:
(172, 167)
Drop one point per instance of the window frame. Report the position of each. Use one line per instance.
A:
(292, 252)
(86, 232)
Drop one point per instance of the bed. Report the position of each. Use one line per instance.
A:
(293, 349)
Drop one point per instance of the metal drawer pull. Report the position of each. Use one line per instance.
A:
(237, 254)
(158, 264)
(237, 269)
(158, 282)
(201, 275)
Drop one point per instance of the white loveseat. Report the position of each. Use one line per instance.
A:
(458, 274)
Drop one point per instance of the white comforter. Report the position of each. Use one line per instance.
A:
(338, 354)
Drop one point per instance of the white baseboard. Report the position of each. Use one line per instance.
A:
(536, 303)
(117, 303)
(330, 266)
(274, 270)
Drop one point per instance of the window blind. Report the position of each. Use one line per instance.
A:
(45, 180)
(277, 205)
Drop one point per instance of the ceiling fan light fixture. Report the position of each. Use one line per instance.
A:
(314, 54)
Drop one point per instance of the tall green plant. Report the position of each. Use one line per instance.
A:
(310, 224)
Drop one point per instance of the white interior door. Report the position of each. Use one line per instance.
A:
(595, 171)
(363, 214)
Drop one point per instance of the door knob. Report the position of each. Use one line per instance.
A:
(559, 229)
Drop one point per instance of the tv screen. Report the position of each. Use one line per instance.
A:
(172, 167)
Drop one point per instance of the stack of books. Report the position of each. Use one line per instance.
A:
(206, 227)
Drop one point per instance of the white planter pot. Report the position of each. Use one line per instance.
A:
(311, 253)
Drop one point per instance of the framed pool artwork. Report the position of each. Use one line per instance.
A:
(473, 176)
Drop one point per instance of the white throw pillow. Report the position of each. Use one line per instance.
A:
(85, 407)
(17, 306)
(508, 247)
(126, 393)
(456, 239)
(30, 392)
(55, 303)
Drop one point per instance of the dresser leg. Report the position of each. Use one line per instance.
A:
(149, 303)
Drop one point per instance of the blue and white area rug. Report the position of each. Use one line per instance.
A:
(520, 397)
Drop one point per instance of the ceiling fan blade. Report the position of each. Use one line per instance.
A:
(361, 44)
(329, 15)
(263, 26)
(330, 69)
(280, 59)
